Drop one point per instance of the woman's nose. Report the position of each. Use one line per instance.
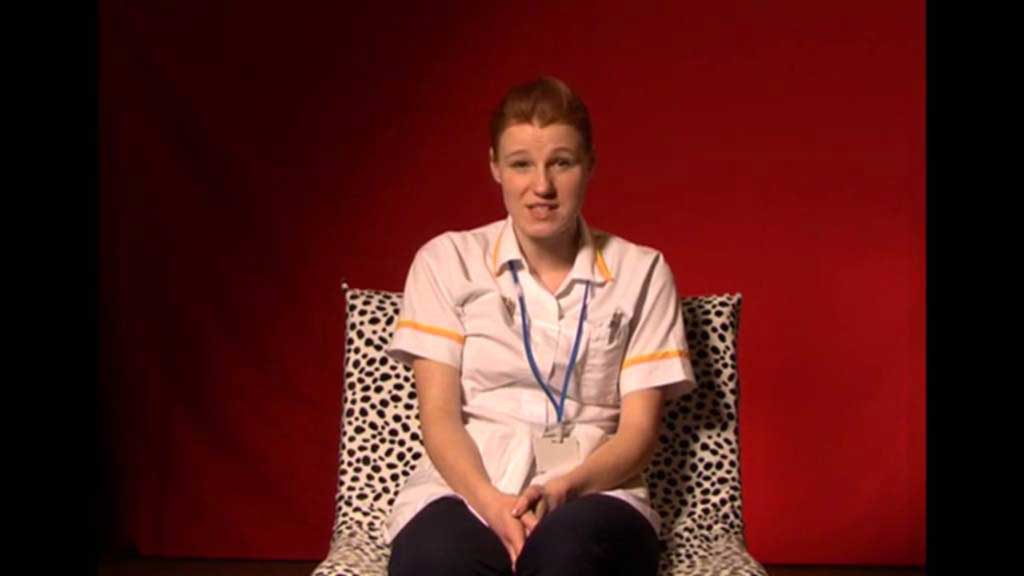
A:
(542, 183)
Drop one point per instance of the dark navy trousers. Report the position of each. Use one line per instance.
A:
(596, 535)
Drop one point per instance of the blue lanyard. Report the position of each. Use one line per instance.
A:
(560, 404)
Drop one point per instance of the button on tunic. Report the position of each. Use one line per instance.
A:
(460, 308)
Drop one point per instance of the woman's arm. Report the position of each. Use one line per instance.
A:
(456, 456)
(620, 458)
(449, 446)
(626, 453)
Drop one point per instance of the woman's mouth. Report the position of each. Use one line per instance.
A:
(541, 211)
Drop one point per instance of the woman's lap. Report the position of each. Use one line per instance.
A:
(595, 534)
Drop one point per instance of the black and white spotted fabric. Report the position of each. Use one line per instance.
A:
(694, 478)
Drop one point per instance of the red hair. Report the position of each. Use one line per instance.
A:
(546, 100)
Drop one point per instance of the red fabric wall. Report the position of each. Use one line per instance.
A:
(256, 153)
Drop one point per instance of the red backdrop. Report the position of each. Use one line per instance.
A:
(253, 154)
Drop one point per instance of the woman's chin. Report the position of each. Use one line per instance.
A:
(543, 230)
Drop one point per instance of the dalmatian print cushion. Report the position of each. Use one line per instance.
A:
(694, 477)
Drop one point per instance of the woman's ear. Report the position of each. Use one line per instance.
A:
(495, 173)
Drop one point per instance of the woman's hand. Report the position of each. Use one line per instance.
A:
(496, 508)
(538, 500)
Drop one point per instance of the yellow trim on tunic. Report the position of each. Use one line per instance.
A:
(494, 255)
(602, 267)
(662, 355)
(435, 330)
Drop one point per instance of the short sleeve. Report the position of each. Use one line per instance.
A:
(429, 325)
(657, 354)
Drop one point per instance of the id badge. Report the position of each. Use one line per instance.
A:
(549, 451)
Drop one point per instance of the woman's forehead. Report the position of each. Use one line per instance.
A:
(535, 137)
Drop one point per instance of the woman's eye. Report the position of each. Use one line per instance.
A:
(520, 164)
(564, 162)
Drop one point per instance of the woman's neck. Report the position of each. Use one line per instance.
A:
(553, 255)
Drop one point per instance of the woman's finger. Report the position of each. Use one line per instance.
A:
(553, 497)
(522, 505)
(511, 555)
(530, 521)
(527, 500)
(540, 509)
(515, 540)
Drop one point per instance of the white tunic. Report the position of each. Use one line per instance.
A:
(460, 307)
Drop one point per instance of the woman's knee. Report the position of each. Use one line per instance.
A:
(596, 534)
(445, 538)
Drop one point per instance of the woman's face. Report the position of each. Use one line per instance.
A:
(543, 178)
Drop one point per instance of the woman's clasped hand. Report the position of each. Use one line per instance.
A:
(513, 518)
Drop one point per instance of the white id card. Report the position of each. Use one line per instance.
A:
(550, 452)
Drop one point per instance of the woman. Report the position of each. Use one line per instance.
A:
(542, 353)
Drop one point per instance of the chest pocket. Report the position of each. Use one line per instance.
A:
(601, 362)
(489, 359)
